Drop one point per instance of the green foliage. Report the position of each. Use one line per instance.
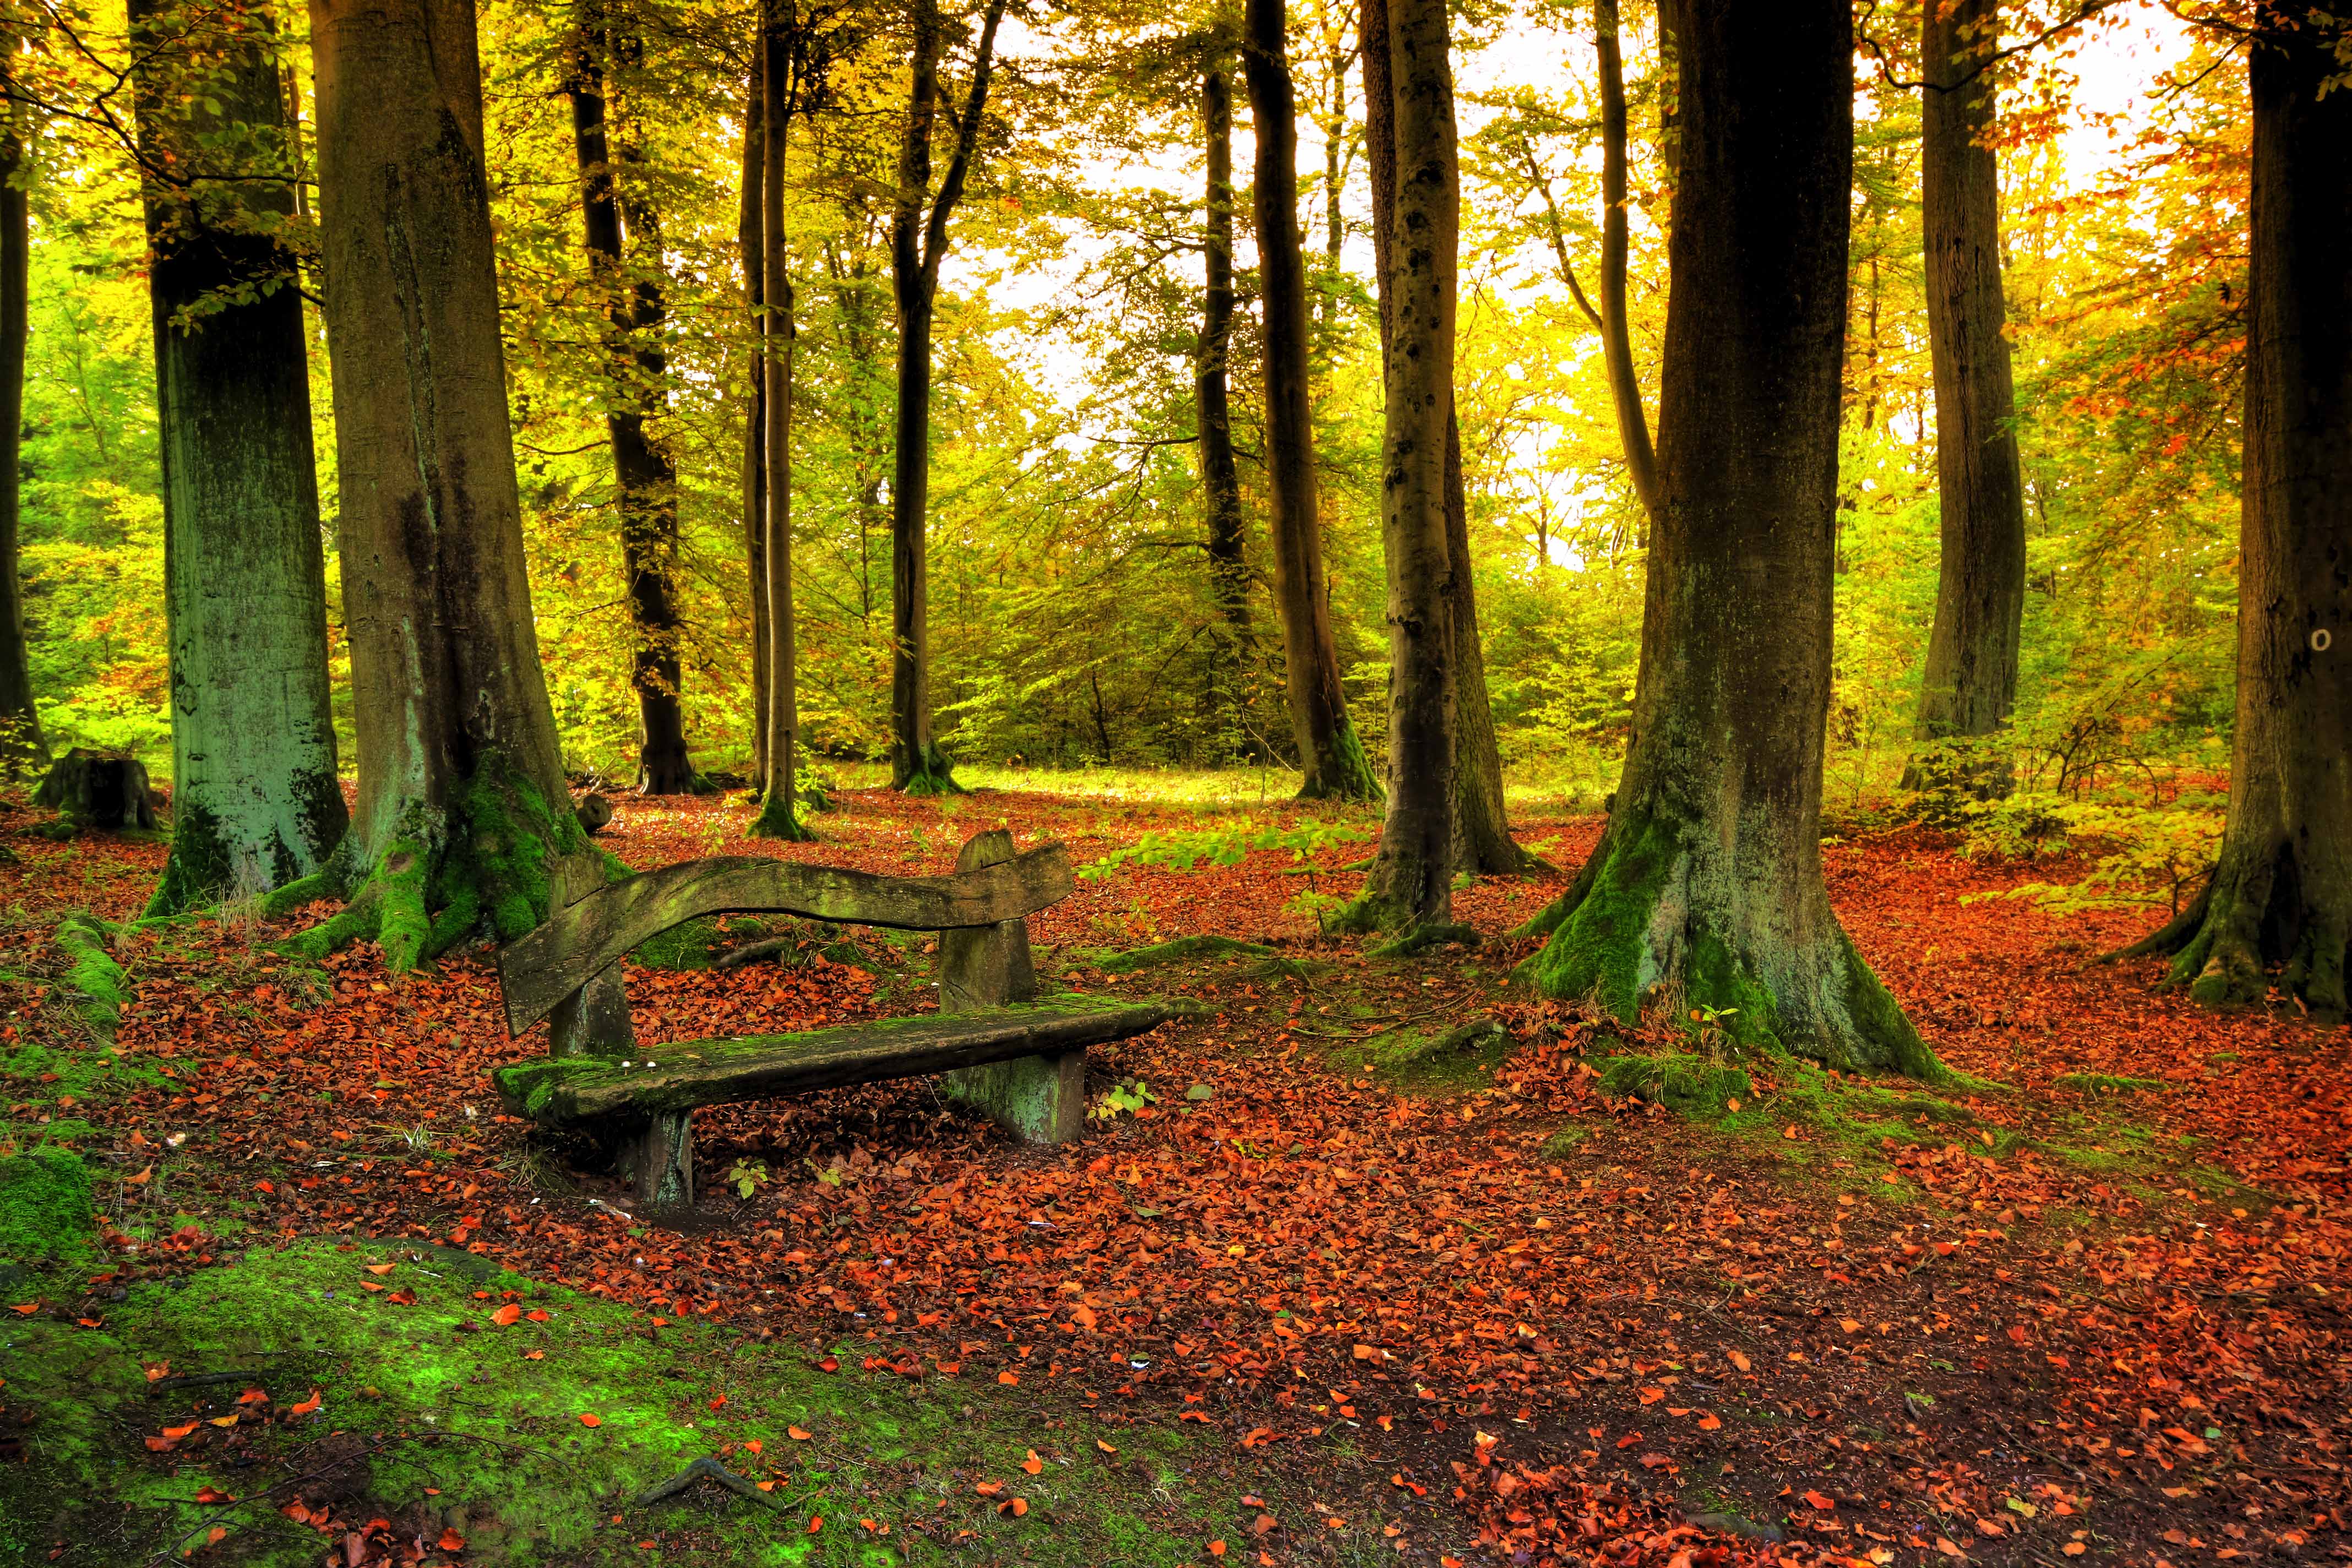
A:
(1122, 1098)
(1183, 851)
(747, 1176)
(2124, 851)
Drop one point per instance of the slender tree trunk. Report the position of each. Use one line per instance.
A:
(1706, 889)
(257, 801)
(1482, 834)
(1971, 681)
(1220, 486)
(22, 750)
(755, 479)
(2282, 891)
(780, 788)
(919, 241)
(1616, 334)
(463, 810)
(1410, 888)
(1329, 753)
(644, 475)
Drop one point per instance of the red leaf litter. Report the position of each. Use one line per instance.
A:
(2057, 1321)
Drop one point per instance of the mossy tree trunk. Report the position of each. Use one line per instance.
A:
(1221, 485)
(1706, 889)
(779, 798)
(463, 811)
(1329, 753)
(257, 804)
(618, 220)
(1482, 833)
(748, 229)
(1969, 682)
(1616, 330)
(1417, 208)
(22, 750)
(919, 243)
(2282, 890)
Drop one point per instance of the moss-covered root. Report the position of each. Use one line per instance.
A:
(483, 865)
(1182, 949)
(779, 821)
(1546, 920)
(1417, 940)
(932, 772)
(92, 972)
(1341, 771)
(2222, 944)
(1654, 923)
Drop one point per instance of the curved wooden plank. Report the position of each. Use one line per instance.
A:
(552, 1092)
(538, 970)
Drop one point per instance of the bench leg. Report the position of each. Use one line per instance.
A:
(660, 1159)
(593, 1021)
(1038, 1100)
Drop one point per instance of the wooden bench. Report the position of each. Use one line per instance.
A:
(1015, 1056)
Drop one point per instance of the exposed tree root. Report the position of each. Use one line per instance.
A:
(1343, 773)
(931, 772)
(710, 1469)
(1418, 939)
(2257, 911)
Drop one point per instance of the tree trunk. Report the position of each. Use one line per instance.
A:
(1221, 485)
(1330, 755)
(2282, 891)
(644, 478)
(1482, 834)
(748, 223)
(22, 750)
(1410, 888)
(1970, 680)
(919, 244)
(1616, 335)
(463, 810)
(778, 793)
(1705, 891)
(257, 801)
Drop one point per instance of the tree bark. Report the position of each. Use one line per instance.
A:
(779, 795)
(256, 802)
(1410, 886)
(1220, 486)
(463, 807)
(644, 478)
(748, 229)
(918, 245)
(22, 749)
(1330, 755)
(1971, 681)
(1616, 335)
(1482, 834)
(2282, 890)
(1705, 891)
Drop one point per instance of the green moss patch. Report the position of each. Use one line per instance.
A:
(1182, 950)
(46, 1212)
(433, 1417)
(2101, 1085)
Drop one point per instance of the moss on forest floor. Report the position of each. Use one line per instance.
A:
(435, 1418)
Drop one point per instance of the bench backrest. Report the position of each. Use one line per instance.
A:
(583, 938)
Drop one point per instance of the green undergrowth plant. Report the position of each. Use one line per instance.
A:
(1225, 845)
(2135, 853)
(433, 1415)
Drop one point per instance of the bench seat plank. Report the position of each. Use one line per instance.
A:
(544, 965)
(552, 1092)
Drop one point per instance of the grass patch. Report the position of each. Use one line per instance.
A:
(1465, 1057)
(435, 1418)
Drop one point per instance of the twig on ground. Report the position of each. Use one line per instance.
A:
(712, 1469)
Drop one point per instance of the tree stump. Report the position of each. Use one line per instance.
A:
(98, 789)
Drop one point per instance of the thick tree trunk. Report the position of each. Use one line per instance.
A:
(1616, 335)
(2282, 891)
(22, 750)
(257, 804)
(919, 242)
(1482, 834)
(644, 478)
(779, 793)
(1970, 680)
(1329, 753)
(748, 228)
(1410, 888)
(1706, 889)
(463, 811)
(1220, 486)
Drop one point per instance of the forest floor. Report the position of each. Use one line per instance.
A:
(1330, 1278)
